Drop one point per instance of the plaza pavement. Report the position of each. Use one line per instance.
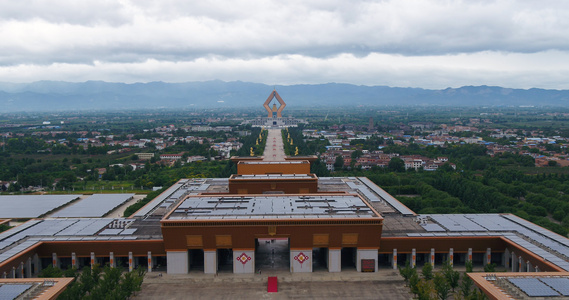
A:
(274, 150)
(385, 284)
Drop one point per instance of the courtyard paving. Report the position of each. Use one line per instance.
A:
(386, 284)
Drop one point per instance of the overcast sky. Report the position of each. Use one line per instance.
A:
(416, 43)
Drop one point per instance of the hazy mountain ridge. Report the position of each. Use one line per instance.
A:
(58, 95)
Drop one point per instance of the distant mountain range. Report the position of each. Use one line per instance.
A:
(99, 95)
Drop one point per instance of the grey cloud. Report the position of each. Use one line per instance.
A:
(306, 40)
(185, 30)
(547, 70)
(85, 12)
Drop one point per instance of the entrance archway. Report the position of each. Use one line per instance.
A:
(225, 260)
(196, 259)
(272, 254)
(319, 259)
(349, 258)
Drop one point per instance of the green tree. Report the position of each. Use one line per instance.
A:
(451, 276)
(104, 283)
(396, 164)
(414, 283)
(425, 290)
(468, 265)
(356, 154)
(466, 286)
(407, 271)
(90, 277)
(490, 268)
(70, 272)
(4, 227)
(319, 168)
(477, 295)
(339, 163)
(427, 271)
(51, 272)
(109, 281)
(442, 287)
(132, 282)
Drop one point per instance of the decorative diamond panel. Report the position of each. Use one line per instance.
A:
(301, 258)
(243, 258)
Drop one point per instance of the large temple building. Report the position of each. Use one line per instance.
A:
(274, 114)
(311, 224)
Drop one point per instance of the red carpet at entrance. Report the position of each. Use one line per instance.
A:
(272, 286)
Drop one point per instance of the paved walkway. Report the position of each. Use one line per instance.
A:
(119, 211)
(274, 150)
(385, 284)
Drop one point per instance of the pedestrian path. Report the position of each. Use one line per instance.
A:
(274, 150)
(348, 284)
(385, 275)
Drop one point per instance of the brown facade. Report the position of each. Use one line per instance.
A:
(241, 234)
(244, 168)
(263, 185)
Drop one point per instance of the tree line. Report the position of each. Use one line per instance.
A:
(98, 283)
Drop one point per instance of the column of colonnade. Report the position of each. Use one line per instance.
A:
(511, 260)
(508, 258)
(28, 267)
(516, 263)
(31, 266)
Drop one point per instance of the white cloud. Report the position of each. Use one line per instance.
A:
(424, 43)
(91, 12)
(522, 70)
